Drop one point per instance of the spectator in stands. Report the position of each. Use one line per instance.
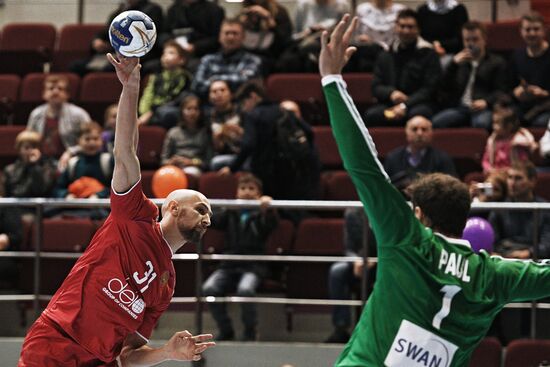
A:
(375, 32)
(89, 173)
(532, 72)
(405, 77)
(440, 22)
(195, 26)
(232, 63)
(345, 276)
(32, 174)
(97, 60)
(313, 16)
(57, 120)
(109, 124)
(493, 188)
(246, 233)
(471, 83)
(267, 30)
(509, 142)
(159, 104)
(283, 177)
(419, 156)
(514, 230)
(188, 145)
(224, 120)
(291, 106)
(11, 235)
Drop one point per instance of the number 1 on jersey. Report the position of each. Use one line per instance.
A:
(449, 291)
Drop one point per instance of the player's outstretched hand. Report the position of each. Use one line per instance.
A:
(336, 52)
(127, 69)
(183, 346)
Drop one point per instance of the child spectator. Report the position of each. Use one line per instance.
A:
(88, 174)
(225, 123)
(162, 95)
(509, 142)
(109, 124)
(188, 145)
(32, 174)
(57, 120)
(246, 231)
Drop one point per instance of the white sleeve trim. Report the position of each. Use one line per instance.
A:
(127, 191)
(142, 337)
(327, 79)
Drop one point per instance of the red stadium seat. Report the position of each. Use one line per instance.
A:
(338, 186)
(146, 179)
(214, 186)
(8, 153)
(527, 352)
(25, 47)
(504, 36)
(387, 139)
(360, 89)
(328, 150)
(74, 44)
(302, 88)
(487, 354)
(150, 143)
(280, 240)
(98, 91)
(68, 235)
(319, 236)
(32, 89)
(464, 145)
(543, 185)
(9, 90)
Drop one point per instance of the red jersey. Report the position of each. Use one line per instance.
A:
(122, 283)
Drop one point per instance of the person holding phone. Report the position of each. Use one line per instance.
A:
(471, 83)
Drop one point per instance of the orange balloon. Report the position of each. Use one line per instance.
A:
(167, 179)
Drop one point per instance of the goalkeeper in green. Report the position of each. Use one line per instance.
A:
(434, 298)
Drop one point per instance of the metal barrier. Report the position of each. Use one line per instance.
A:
(40, 204)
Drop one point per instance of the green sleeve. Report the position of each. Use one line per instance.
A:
(391, 218)
(146, 101)
(521, 280)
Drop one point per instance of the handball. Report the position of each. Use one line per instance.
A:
(132, 33)
(167, 179)
(480, 233)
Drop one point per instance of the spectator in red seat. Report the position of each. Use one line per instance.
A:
(231, 63)
(88, 174)
(57, 120)
(405, 163)
(514, 230)
(188, 145)
(509, 142)
(224, 120)
(246, 232)
(109, 124)
(159, 104)
(471, 83)
(32, 174)
(405, 76)
(532, 72)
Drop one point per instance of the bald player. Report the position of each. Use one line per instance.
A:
(108, 305)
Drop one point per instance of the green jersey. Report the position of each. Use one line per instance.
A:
(434, 298)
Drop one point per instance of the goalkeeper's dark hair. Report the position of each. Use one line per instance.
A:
(444, 200)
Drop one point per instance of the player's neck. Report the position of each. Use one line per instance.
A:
(172, 236)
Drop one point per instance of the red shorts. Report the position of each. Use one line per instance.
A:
(47, 345)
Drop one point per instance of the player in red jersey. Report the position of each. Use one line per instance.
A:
(109, 303)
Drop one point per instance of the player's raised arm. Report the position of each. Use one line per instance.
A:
(127, 171)
(391, 218)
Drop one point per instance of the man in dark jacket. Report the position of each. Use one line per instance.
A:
(246, 232)
(471, 83)
(418, 156)
(284, 177)
(404, 76)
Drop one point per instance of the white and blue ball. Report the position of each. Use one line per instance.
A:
(132, 33)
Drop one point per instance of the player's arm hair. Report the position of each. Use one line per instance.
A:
(127, 169)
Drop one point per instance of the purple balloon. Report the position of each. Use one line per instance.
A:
(480, 234)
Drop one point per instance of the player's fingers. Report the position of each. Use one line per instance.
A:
(349, 52)
(184, 334)
(324, 39)
(340, 27)
(206, 345)
(350, 30)
(112, 60)
(202, 337)
(197, 357)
